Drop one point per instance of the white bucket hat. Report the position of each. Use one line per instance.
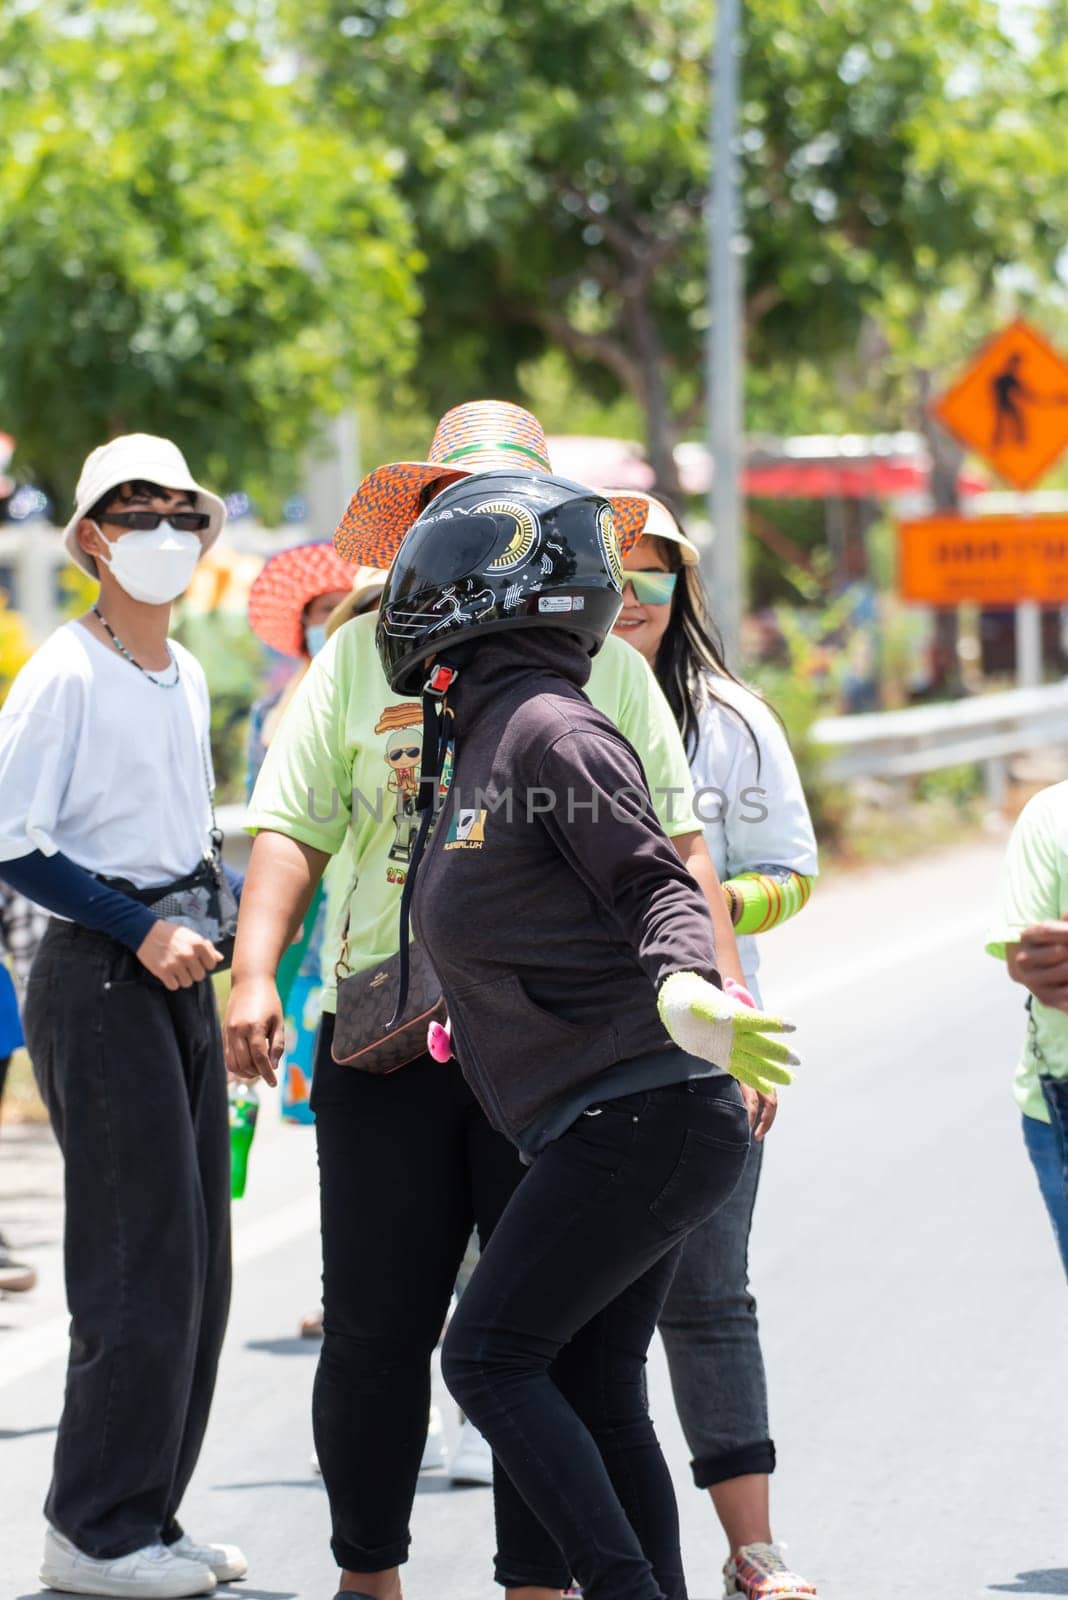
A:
(121, 460)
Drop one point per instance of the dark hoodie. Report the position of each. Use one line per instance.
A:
(550, 902)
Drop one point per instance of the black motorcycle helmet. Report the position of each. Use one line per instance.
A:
(499, 550)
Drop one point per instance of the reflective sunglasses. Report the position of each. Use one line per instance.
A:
(149, 521)
(412, 751)
(652, 587)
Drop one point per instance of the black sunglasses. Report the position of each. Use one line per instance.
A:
(148, 521)
(411, 751)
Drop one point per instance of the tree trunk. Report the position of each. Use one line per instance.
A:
(947, 458)
(661, 434)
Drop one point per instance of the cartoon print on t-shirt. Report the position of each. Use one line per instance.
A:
(403, 727)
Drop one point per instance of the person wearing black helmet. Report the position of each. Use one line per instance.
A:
(408, 1162)
(578, 961)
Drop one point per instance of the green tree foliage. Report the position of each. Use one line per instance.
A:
(180, 251)
(556, 162)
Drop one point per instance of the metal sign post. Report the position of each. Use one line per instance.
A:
(1028, 644)
(724, 340)
(332, 472)
(1028, 626)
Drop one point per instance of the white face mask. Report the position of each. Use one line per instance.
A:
(154, 567)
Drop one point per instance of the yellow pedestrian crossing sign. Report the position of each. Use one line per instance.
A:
(1011, 405)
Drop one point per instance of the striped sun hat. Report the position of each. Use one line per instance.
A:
(289, 581)
(481, 436)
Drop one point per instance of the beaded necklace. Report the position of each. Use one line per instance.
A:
(121, 648)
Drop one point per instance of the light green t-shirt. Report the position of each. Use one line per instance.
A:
(342, 772)
(1034, 888)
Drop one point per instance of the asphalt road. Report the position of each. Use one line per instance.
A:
(914, 1313)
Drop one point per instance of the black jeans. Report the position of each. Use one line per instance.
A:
(408, 1165)
(132, 1076)
(576, 1274)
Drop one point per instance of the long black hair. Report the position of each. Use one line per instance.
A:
(690, 658)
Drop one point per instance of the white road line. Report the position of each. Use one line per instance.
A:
(33, 1348)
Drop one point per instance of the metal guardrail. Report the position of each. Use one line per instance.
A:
(987, 729)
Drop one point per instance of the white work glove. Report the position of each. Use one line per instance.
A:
(705, 1022)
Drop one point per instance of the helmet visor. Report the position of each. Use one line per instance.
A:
(439, 549)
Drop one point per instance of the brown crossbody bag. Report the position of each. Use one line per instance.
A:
(363, 1037)
(384, 1011)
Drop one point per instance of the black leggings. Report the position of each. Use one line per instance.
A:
(546, 1352)
(408, 1165)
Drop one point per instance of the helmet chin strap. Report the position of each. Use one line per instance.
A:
(435, 744)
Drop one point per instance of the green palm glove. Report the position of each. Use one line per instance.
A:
(705, 1022)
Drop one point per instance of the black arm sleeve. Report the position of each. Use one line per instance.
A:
(60, 885)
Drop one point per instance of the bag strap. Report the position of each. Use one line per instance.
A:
(216, 831)
(154, 892)
(435, 745)
(1032, 1036)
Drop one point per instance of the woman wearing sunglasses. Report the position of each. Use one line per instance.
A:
(760, 837)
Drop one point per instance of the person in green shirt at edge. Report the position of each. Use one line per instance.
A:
(408, 1163)
(1031, 936)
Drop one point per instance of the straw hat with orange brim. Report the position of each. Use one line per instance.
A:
(480, 436)
(288, 583)
(655, 522)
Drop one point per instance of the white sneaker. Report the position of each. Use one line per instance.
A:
(435, 1453)
(154, 1573)
(225, 1560)
(473, 1461)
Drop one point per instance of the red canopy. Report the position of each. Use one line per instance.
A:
(813, 467)
(874, 479)
(826, 467)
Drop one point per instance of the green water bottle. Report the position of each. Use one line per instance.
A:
(244, 1109)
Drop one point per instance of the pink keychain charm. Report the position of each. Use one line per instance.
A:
(439, 1040)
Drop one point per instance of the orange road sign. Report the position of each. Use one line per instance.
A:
(994, 561)
(1011, 405)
